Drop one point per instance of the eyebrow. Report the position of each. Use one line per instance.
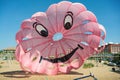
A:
(70, 12)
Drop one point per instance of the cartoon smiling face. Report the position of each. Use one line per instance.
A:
(58, 40)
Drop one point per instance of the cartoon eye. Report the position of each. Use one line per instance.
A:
(68, 21)
(41, 30)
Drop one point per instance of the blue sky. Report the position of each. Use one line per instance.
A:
(13, 12)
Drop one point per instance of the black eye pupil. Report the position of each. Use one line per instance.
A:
(44, 33)
(41, 30)
(67, 25)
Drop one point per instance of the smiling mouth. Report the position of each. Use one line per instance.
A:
(64, 58)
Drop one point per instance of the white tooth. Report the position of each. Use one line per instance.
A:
(51, 57)
(71, 49)
(61, 54)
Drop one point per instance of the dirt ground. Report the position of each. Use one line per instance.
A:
(11, 70)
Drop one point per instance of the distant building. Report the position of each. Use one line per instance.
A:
(7, 54)
(9, 50)
(112, 48)
(110, 52)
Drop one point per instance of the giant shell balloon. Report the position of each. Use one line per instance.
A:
(58, 40)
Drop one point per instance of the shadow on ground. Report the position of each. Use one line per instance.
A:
(23, 74)
(16, 74)
(74, 73)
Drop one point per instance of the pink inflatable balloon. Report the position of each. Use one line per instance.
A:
(58, 40)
